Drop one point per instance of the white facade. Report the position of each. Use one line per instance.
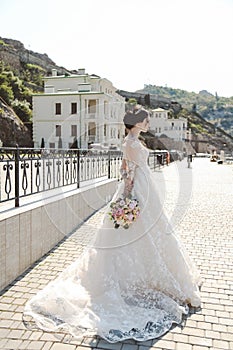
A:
(78, 107)
(174, 128)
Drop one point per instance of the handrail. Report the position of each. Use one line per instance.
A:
(28, 171)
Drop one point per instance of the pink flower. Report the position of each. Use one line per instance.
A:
(132, 205)
(119, 212)
(130, 217)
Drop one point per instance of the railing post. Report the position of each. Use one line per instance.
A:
(109, 165)
(78, 168)
(154, 160)
(17, 176)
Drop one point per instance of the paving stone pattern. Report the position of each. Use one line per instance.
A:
(205, 226)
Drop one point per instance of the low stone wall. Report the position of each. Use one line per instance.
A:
(29, 232)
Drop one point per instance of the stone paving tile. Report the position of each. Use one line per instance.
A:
(205, 226)
(57, 346)
(105, 345)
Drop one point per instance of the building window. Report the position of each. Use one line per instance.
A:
(92, 106)
(58, 108)
(159, 129)
(91, 129)
(113, 133)
(105, 107)
(73, 130)
(58, 130)
(73, 108)
(52, 145)
(105, 130)
(172, 125)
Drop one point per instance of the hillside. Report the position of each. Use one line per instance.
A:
(202, 130)
(216, 109)
(22, 72)
(12, 130)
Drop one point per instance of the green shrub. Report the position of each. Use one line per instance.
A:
(22, 109)
(3, 43)
(6, 93)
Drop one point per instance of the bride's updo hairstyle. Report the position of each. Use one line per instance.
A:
(131, 118)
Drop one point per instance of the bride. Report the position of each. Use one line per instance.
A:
(132, 283)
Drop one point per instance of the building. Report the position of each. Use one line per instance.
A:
(160, 124)
(77, 110)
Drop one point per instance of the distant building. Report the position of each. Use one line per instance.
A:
(160, 124)
(77, 110)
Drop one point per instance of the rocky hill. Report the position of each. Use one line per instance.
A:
(203, 132)
(12, 130)
(214, 108)
(21, 74)
(14, 54)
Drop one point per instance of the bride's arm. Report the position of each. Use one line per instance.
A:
(130, 163)
(124, 169)
(127, 175)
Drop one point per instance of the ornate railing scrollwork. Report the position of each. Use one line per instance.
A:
(37, 177)
(24, 166)
(25, 171)
(67, 173)
(8, 185)
(49, 175)
(58, 163)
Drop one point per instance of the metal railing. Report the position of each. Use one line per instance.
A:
(29, 171)
(25, 171)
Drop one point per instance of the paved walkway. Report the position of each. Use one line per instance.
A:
(202, 200)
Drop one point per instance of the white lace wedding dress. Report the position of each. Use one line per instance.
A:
(133, 283)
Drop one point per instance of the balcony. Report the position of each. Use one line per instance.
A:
(84, 87)
(91, 115)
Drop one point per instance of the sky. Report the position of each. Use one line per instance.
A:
(183, 44)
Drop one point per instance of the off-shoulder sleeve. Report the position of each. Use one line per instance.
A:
(133, 157)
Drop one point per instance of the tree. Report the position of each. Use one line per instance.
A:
(42, 143)
(132, 102)
(147, 100)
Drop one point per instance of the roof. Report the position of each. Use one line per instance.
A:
(159, 110)
(65, 76)
(62, 93)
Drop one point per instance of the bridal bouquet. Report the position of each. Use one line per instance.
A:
(124, 211)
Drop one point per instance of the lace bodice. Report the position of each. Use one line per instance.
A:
(134, 151)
